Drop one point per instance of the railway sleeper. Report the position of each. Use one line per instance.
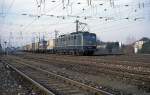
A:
(62, 86)
(43, 80)
(60, 92)
(73, 92)
(66, 89)
(144, 87)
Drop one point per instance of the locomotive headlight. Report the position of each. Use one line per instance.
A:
(90, 42)
(93, 37)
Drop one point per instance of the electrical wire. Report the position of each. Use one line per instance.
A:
(10, 6)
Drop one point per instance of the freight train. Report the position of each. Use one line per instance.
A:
(76, 43)
(80, 42)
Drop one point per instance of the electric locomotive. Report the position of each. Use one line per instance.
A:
(76, 43)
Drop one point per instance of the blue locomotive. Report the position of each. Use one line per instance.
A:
(76, 43)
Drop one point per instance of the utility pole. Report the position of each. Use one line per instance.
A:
(89, 2)
(77, 25)
(112, 3)
(39, 42)
(21, 38)
(0, 46)
(39, 37)
(5, 50)
(10, 43)
(56, 34)
(33, 38)
(33, 42)
(44, 43)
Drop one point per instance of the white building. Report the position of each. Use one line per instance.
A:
(139, 44)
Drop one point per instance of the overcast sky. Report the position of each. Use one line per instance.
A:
(126, 19)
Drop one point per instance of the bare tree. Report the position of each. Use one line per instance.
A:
(130, 39)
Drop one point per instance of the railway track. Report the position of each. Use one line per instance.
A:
(144, 72)
(131, 58)
(55, 84)
(139, 78)
(29, 86)
(135, 61)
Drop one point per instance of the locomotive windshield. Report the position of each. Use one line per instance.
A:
(89, 39)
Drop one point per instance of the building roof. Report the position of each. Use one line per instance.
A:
(144, 39)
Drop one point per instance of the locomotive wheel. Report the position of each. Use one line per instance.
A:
(81, 53)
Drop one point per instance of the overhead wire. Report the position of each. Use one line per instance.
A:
(10, 6)
(110, 28)
(54, 8)
(115, 20)
(2, 8)
(119, 29)
(27, 26)
(102, 27)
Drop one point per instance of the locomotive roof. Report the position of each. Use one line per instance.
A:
(80, 32)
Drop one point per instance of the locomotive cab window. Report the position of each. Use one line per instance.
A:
(69, 38)
(89, 39)
(75, 37)
(72, 37)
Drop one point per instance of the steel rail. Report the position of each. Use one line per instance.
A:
(45, 90)
(71, 82)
